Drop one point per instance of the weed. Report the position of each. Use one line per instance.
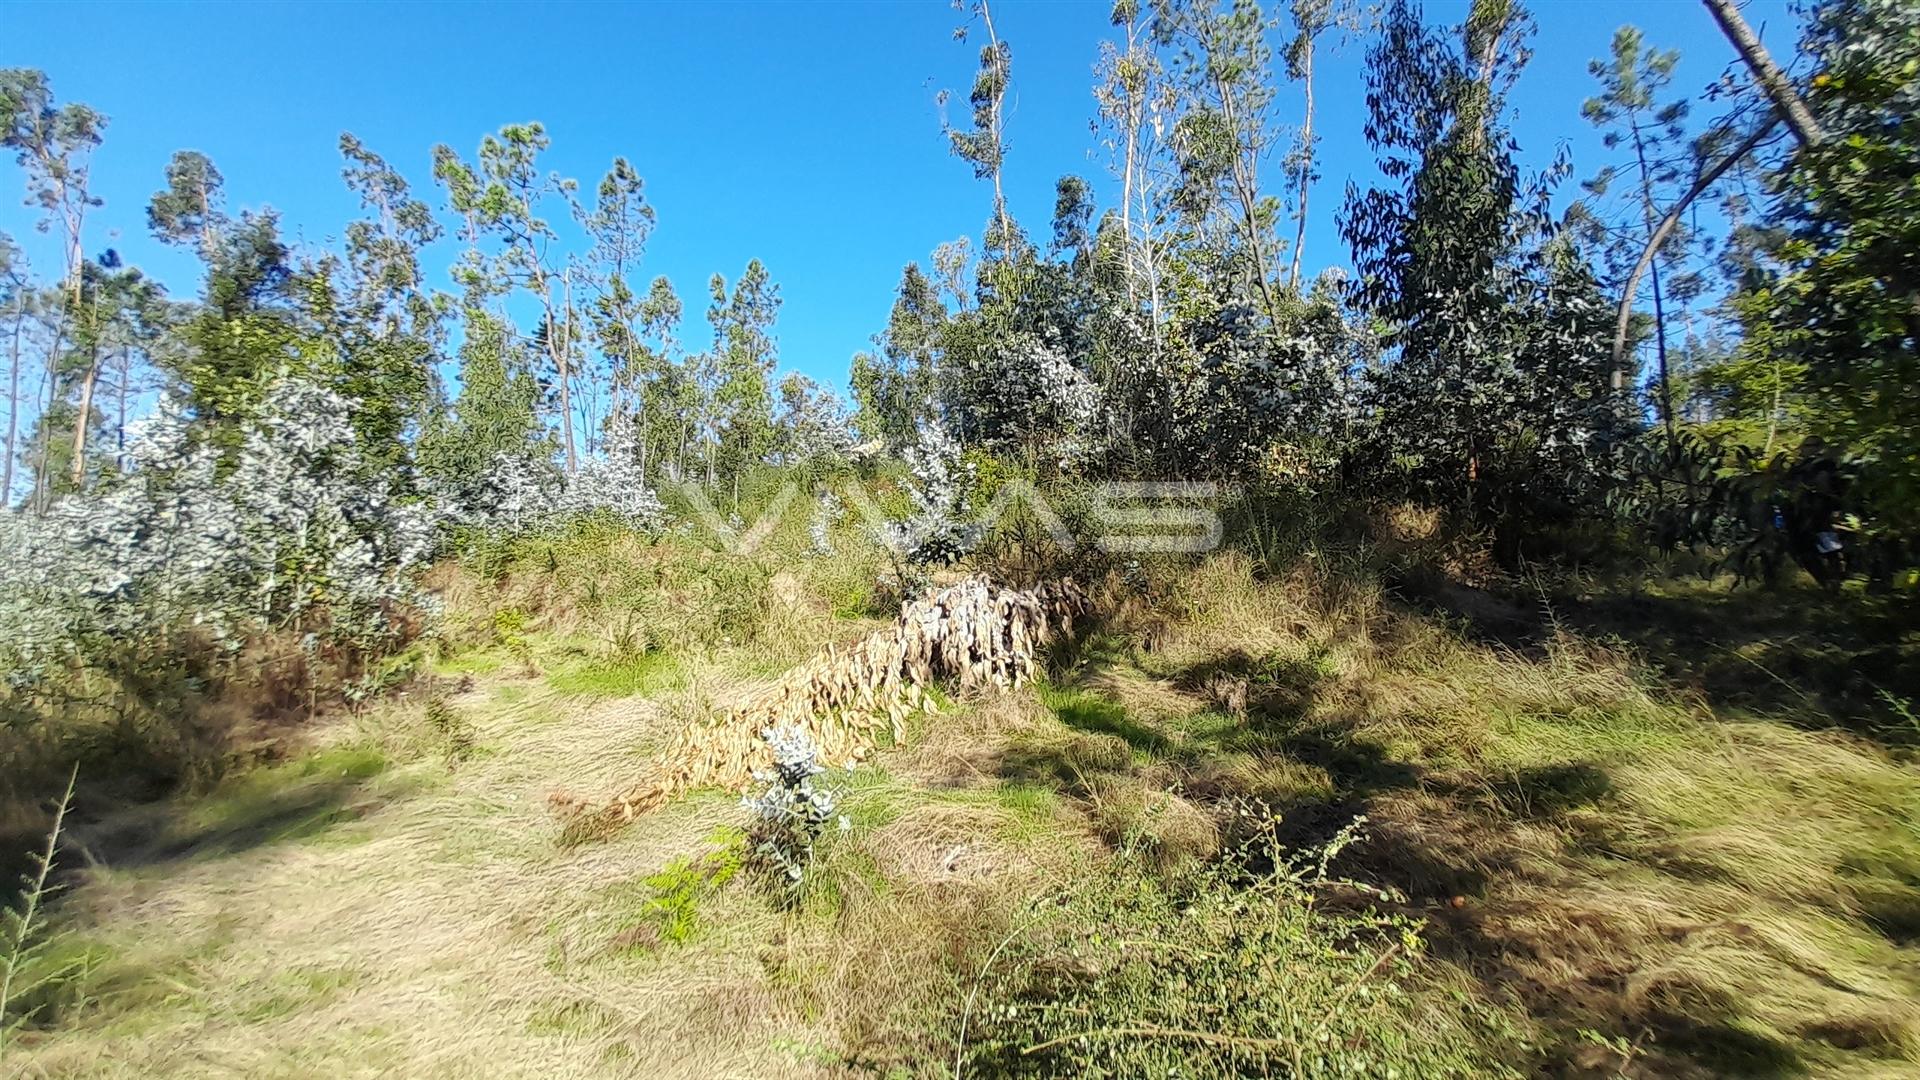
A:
(510, 633)
(451, 728)
(1232, 968)
(25, 976)
(672, 910)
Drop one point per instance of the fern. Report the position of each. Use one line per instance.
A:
(19, 926)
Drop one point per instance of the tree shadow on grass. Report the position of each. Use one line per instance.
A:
(1472, 853)
(1816, 659)
(279, 804)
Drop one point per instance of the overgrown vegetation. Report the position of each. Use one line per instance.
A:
(1224, 672)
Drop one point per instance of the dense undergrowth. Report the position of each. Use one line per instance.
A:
(1374, 808)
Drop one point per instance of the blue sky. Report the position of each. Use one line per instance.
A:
(806, 135)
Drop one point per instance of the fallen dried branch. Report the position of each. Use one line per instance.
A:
(975, 634)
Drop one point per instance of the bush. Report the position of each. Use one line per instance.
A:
(790, 813)
(1238, 967)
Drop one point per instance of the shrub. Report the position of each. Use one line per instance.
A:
(1234, 968)
(790, 813)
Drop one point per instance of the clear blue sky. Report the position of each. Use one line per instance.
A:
(806, 135)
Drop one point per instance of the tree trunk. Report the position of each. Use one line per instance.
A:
(999, 148)
(120, 418)
(1126, 184)
(1247, 189)
(1306, 168)
(42, 497)
(1659, 302)
(1660, 353)
(1766, 72)
(77, 471)
(13, 399)
(559, 347)
(1660, 233)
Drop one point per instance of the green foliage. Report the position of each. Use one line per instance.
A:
(1233, 968)
(1843, 304)
(683, 885)
(1497, 400)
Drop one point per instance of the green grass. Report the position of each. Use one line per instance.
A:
(468, 662)
(298, 800)
(646, 674)
(290, 992)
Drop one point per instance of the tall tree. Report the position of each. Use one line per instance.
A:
(811, 425)
(668, 396)
(504, 196)
(54, 145)
(388, 323)
(1844, 304)
(188, 210)
(894, 389)
(248, 328)
(14, 288)
(1652, 132)
(1312, 19)
(619, 224)
(1439, 255)
(1224, 68)
(745, 354)
(493, 417)
(1132, 93)
(984, 146)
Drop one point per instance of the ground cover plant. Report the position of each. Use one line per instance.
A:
(1495, 657)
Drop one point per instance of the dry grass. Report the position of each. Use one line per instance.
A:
(440, 933)
(1727, 895)
(1707, 892)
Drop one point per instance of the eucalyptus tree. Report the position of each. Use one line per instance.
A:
(1134, 98)
(953, 264)
(618, 224)
(1222, 68)
(1312, 20)
(15, 290)
(53, 145)
(124, 316)
(258, 316)
(504, 196)
(1445, 265)
(984, 146)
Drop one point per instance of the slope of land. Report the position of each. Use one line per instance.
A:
(1569, 864)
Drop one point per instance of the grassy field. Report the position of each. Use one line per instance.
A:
(1285, 822)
